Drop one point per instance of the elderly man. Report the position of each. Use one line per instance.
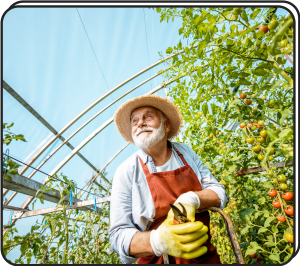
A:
(160, 173)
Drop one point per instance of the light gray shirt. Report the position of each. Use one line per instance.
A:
(132, 209)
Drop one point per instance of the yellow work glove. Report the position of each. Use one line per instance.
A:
(182, 240)
(190, 209)
(190, 200)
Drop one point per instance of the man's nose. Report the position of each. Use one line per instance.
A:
(142, 123)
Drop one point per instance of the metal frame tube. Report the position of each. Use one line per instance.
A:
(34, 158)
(96, 175)
(90, 137)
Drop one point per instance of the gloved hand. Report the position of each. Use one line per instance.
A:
(182, 240)
(191, 202)
(189, 209)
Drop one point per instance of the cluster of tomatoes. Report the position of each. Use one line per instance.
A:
(288, 209)
(257, 141)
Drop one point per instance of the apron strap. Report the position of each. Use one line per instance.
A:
(181, 156)
(145, 167)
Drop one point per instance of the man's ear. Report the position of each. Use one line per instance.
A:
(167, 126)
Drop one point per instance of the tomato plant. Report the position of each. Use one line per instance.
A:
(229, 55)
(76, 237)
(229, 74)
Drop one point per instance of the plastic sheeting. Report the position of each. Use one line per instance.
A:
(60, 60)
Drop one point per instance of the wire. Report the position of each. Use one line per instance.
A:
(93, 50)
(147, 41)
(47, 174)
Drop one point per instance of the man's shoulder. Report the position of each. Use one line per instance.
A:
(129, 164)
(182, 147)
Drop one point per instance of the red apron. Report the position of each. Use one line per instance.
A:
(165, 188)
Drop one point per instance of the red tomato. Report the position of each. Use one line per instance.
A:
(263, 28)
(232, 204)
(289, 210)
(249, 125)
(281, 218)
(272, 193)
(276, 203)
(260, 127)
(259, 257)
(288, 196)
(253, 256)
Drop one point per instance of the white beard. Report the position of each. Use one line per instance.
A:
(148, 140)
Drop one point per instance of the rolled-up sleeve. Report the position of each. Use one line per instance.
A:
(209, 181)
(121, 227)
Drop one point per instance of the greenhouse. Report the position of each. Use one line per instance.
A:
(218, 81)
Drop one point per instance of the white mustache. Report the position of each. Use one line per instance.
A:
(143, 129)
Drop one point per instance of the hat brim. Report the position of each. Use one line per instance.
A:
(123, 113)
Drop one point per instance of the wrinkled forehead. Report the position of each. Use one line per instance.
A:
(142, 110)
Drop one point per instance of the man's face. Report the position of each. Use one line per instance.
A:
(146, 127)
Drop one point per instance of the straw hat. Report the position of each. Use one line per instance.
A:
(171, 111)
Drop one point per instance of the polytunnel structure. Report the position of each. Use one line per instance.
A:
(66, 70)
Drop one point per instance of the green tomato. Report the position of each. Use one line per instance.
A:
(283, 43)
(256, 148)
(260, 157)
(281, 178)
(274, 181)
(260, 123)
(283, 186)
(261, 139)
(273, 24)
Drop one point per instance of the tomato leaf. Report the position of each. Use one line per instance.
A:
(284, 115)
(286, 134)
(274, 229)
(262, 229)
(204, 109)
(244, 212)
(274, 257)
(245, 230)
(250, 251)
(273, 135)
(261, 200)
(268, 221)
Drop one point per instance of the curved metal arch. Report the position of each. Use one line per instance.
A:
(34, 158)
(5, 191)
(96, 175)
(89, 138)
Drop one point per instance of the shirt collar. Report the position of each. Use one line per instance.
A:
(145, 157)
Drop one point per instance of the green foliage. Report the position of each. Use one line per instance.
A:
(226, 57)
(73, 237)
(10, 166)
